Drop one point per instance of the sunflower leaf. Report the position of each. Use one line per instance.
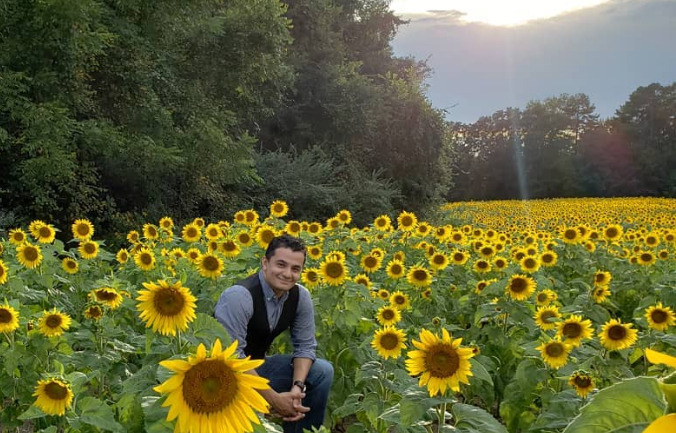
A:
(97, 413)
(470, 418)
(626, 407)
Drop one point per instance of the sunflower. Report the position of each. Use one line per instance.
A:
(601, 293)
(17, 237)
(315, 252)
(279, 208)
(93, 312)
(545, 297)
(520, 287)
(54, 396)
(107, 296)
(332, 223)
(34, 227)
(407, 221)
(382, 223)
(69, 265)
(133, 237)
(210, 266)
(423, 229)
(122, 256)
(165, 307)
(574, 329)
(482, 266)
(46, 234)
(442, 363)
(191, 233)
(616, 335)
(333, 271)
(213, 232)
(370, 263)
(229, 249)
(199, 222)
(613, 232)
(383, 294)
(602, 278)
(245, 239)
(166, 223)
(315, 228)
(29, 255)
(459, 257)
(239, 217)
(363, 279)
(663, 254)
(547, 317)
(659, 317)
(88, 249)
(53, 323)
(571, 235)
(389, 342)
(458, 237)
(582, 382)
(264, 235)
(438, 261)
(482, 284)
(215, 393)
(150, 231)
(549, 258)
(250, 217)
(311, 277)
(344, 216)
(400, 300)
(145, 259)
(4, 273)
(645, 258)
(555, 352)
(9, 318)
(193, 254)
(419, 276)
(293, 228)
(388, 316)
(529, 264)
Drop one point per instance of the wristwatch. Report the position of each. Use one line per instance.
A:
(300, 384)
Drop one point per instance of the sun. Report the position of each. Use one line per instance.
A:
(492, 12)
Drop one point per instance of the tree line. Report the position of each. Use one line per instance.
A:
(124, 111)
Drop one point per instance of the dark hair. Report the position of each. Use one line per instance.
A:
(285, 241)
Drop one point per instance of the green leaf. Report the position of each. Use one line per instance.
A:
(97, 413)
(32, 413)
(206, 329)
(626, 407)
(470, 418)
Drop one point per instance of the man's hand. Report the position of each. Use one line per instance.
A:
(289, 405)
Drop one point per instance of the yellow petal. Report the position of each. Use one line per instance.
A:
(663, 424)
(656, 357)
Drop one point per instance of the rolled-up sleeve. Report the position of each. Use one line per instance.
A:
(303, 331)
(234, 310)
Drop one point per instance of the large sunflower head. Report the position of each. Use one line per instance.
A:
(520, 287)
(333, 271)
(264, 235)
(382, 223)
(646, 258)
(613, 232)
(107, 296)
(150, 231)
(388, 316)
(311, 277)
(407, 221)
(530, 264)
(46, 234)
(145, 259)
(134, 237)
(438, 261)
(214, 393)
(166, 223)
(549, 258)
(191, 233)
(88, 249)
(279, 208)
(400, 300)
(34, 227)
(344, 216)
(616, 335)
(459, 257)
(389, 342)
(582, 382)
(54, 396)
(555, 352)
(210, 265)
(17, 236)
(442, 363)
(9, 318)
(482, 266)
(395, 269)
(29, 255)
(53, 323)
(166, 307)
(419, 276)
(660, 317)
(213, 232)
(547, 317)
(370, 263)
(574, 329)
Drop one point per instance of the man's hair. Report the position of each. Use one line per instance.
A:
(285, 241)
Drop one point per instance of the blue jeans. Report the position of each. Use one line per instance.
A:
(278, 369)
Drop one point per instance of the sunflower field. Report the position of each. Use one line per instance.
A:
(535, 316)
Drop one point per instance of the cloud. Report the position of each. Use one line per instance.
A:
(606, 52)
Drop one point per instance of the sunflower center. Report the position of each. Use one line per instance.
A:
(518, 285)
(370, 262)
(542, 297)
(582, 381)
(168, 301)
(439, 259)
(146, 259)
(388, 314)
(55, 391)
(572, 330)
(442, 361)
(278, 208)
(554, 350)
(152, 232)
(245, 238)
(381, 222)
(5, 315)
(611, 232)
(389, 341)
(396, 269)
(229, 246)
(45, 232)
(70, 264)
(570, 234)
(659, 316)
(399, 300)
(529, 263)
(407, 221)
(312, 276)
(94, 312)
(547, 258)
(210, 263)
(600, 278)
(481, 264)
(334, 270)
(18, 237)
(617, 332)
(89, 248)
(458, 257)
(53, 321)
(30, 253)
(419, 275)
(209, 387)
(105, 295)
(646, 257)
(546, 315)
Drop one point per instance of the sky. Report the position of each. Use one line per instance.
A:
(488, 55)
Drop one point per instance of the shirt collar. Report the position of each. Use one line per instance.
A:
(267, 290)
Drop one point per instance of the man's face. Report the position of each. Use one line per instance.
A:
(282, 270)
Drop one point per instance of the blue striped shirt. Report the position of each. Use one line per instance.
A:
(235, 308)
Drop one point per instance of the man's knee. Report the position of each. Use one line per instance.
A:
(323, 370)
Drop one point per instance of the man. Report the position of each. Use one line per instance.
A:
(256, 310)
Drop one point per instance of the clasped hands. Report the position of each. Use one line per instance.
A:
(289, 406)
